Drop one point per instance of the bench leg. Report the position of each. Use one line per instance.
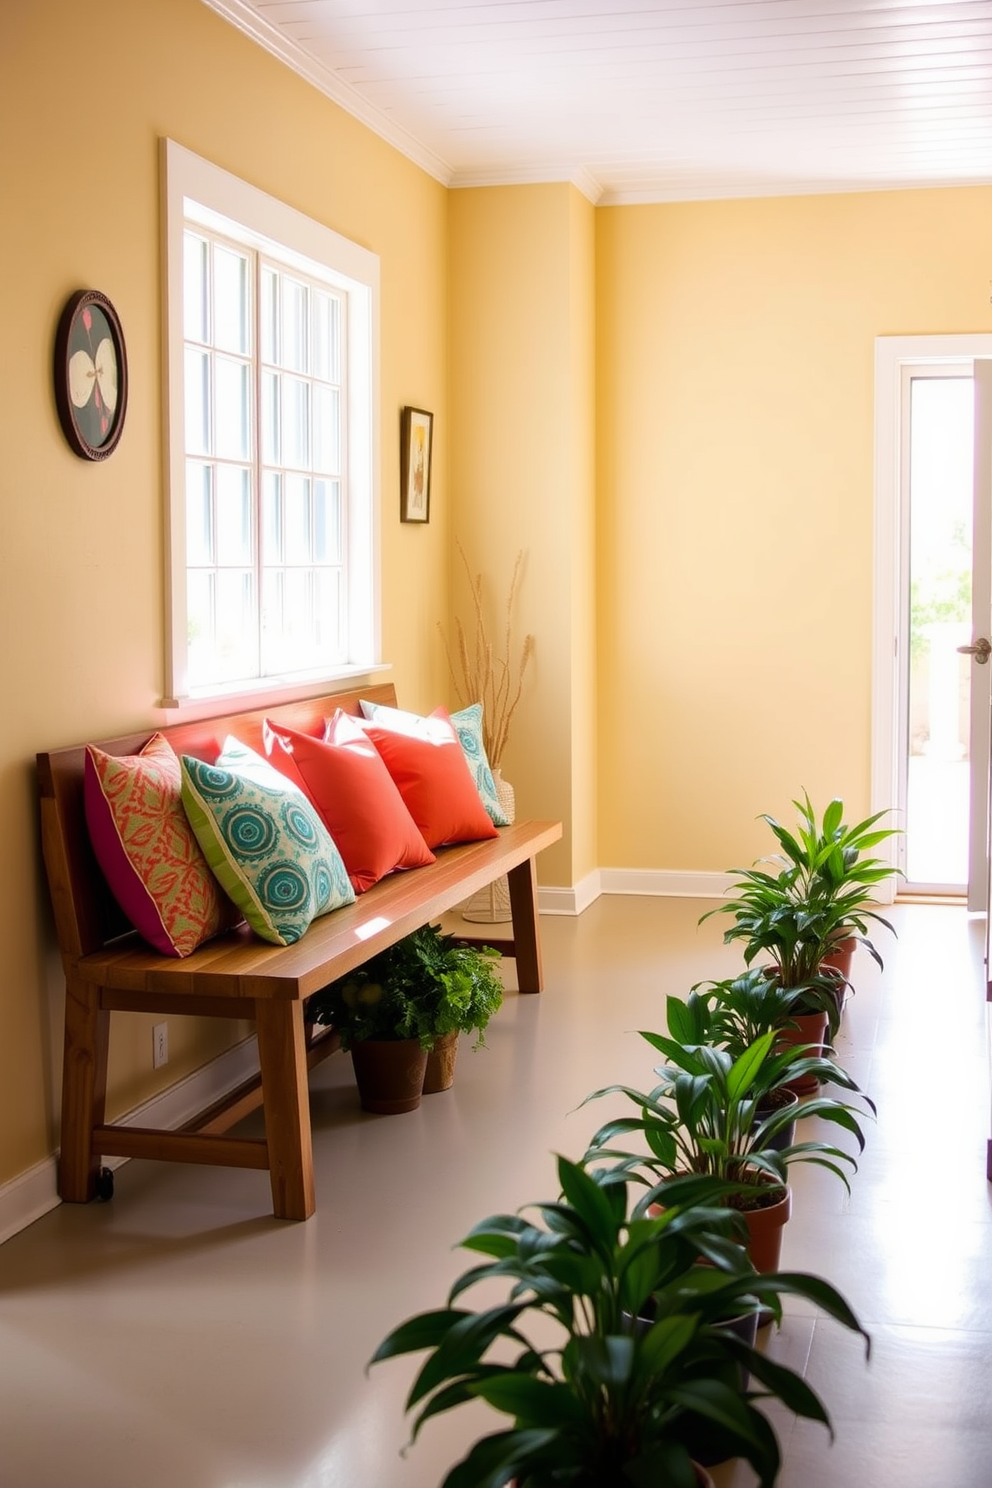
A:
(283, 1062)
(526, 940)
(84, 1090)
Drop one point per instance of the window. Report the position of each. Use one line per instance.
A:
(271, 451)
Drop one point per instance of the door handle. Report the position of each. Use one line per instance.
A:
(981, 650)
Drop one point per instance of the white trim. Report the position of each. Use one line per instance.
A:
(194, 188)
(35, 1192)
(187, 710)
(327, 81)
(543, 174)
(660, 883)
(561, 901)
(664, 883)
(892, 353)
(27, 1197)
(172, 1108)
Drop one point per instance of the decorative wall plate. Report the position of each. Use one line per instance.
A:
(90, 375)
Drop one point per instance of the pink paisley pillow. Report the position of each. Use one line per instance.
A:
(146, 848)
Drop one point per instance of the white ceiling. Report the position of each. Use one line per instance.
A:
(656, 100)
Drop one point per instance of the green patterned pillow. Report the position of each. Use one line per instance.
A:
(468, 726)
(264, 841)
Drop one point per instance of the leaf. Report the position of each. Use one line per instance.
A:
(832, 817)
(424, 1331)
(826, 1297)
(531, 1401)
(462, 1347)
(665, 1341)
(496, 1459)
(745, 1068)
(718, 1403)
(790, 1388)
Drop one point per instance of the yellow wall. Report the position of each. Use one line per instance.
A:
(522, 265)
(735, 408)
(82, 106)
(668, 408)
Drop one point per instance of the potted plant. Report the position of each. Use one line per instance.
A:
(827, 859)
(705, 1116)
(810, 912)
(595, 1399)
(732, 1014)
(420, 993)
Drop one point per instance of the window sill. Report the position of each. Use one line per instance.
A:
(274, 690)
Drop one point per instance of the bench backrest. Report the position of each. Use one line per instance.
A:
(86, 916)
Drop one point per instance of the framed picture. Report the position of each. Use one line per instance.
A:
(90, 375)
(416, 439)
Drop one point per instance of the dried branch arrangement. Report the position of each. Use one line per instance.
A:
(481, 673)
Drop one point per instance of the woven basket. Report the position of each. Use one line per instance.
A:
(491, 905)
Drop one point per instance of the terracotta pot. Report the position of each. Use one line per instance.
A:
(764, 1229)
(809, 1028)
(390, 1074)
(441, 1064)
(842, 959)
(840, 962)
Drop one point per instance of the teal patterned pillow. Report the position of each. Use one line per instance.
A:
(468, 726)
(264, 841)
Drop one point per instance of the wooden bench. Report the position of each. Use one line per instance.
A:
(108, 969)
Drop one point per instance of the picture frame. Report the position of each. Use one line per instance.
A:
(90, 369)
(416, 449)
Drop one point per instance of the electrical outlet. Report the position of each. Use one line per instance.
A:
(160, 1045)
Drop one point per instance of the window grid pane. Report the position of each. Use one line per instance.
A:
(302, 455)
(265, 516)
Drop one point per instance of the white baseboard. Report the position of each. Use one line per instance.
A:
(27, 1197)
(171, 1108)
(34, 1193)
(659, 883)
(665, 884)
(556, 901)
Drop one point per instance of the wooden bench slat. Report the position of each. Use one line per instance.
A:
(192, 1147)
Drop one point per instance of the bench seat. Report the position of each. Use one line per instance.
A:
(108, 969)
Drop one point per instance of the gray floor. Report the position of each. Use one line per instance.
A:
(180, 1337)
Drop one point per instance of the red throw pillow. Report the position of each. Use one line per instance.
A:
(434, 780)
(354, 796)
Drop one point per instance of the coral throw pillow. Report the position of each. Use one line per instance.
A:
(265, 843)
(147, 851)
(434, 780)
(345, 777)
(467, 723)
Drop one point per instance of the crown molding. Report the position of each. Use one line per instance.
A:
(532, 175)
(252, 25)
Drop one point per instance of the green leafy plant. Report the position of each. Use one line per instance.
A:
(597, 1397)
(425, 986)
(820, 895)
(708, 1114)
(734, 1013)
(828, 865)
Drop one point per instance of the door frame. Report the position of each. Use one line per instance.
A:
(892, 354)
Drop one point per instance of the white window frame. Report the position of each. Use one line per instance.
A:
(194, 190)
(893, 354)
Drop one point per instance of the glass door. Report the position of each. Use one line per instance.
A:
(939, 480)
